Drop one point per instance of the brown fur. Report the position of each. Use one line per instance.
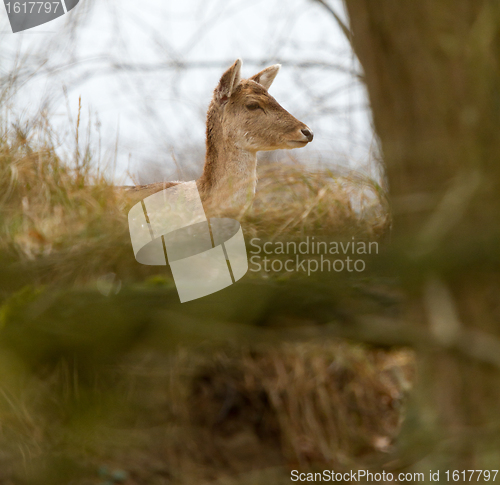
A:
(242, 119)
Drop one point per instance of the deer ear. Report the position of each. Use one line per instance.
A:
(266, 76)
(228, 82)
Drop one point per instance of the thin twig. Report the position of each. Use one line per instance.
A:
(342, 25)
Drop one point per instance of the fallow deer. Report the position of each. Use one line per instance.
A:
(242, 119)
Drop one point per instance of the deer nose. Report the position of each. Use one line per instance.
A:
(307, 133)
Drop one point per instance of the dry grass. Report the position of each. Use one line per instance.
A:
(58, 215)
(324, 403)
(293, 201)
(236, 416)
(50, 207)
(199, 417)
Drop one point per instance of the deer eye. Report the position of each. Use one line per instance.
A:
(253, 106)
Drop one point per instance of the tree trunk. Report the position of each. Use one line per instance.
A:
(432, 70)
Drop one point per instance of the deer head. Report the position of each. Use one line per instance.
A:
(251, 117)
(242, 119)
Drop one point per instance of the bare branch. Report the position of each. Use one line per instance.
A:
(382, 331)
(342, 25)
(112, 66)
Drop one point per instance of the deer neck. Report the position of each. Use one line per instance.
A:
(230, 173)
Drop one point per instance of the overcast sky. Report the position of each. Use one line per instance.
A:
(156, 112)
